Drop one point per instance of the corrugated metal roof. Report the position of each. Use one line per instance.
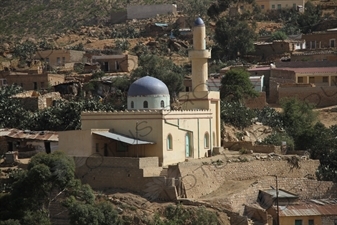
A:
(281, 193)
(321, 207)
(122, 138)
(32, 135)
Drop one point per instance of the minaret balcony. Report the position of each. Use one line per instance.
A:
(200, 54)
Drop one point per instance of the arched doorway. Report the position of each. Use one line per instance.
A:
(187, 145)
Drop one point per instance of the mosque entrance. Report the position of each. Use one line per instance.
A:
(188, 145)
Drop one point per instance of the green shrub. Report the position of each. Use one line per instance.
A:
(236, 114)
(277, 138)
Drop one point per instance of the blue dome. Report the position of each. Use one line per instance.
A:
(199, 22)
(148, 86)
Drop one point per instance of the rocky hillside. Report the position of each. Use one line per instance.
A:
(42, 17)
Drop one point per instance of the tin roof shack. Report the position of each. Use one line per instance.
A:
(268, 199)
(116, 63)
(34, 101)
(29, 143)
(322, 211)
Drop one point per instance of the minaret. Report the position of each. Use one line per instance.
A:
(199, 57)
(199, 98)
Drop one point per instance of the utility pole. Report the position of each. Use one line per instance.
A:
(277, 203)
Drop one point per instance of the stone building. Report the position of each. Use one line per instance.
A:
(116, 63)
(280, 4)
(33, 100)
(59, 58)
(321, 40)
(32, 81)
(148, 128)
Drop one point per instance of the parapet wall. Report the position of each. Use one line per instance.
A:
(248, 145)
(319, 96)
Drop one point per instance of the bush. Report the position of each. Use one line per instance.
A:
(277, 138)
(269, 117)
(236, 114)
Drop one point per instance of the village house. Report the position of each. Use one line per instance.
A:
(311, 212)
(278, 48)
(314, 55)
(34, 101)
(317, 85)
(116, 63)
(60, 58)
(29, 81)
(28, 143)
(288, 208)
(280, 4)
(321, 40)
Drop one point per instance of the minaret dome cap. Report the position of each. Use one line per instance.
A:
(199, 22)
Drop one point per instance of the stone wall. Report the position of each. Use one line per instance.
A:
(236, 146)
(277, 78)
(201, 179)
(319, 96)
(258, 102)
(133, 174)
(303, 187)
(329, 220)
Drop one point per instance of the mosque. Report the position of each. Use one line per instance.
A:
(149, 128)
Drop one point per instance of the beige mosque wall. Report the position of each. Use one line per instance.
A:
(205, 100)
(76, 142)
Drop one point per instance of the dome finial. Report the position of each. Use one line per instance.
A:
(199, 22)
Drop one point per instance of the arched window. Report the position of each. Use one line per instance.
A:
(162, 104)
(169, 142)
(206, 140)
(145, 105)
(132, 105)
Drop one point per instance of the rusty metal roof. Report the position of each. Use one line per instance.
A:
(323, 207)
(30, 135)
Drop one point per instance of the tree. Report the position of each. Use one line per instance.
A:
(310, 18)
(298, 120)
(12, 114)
(50, 178)
(236, 114)
(194, 9)
(25, 51)
(236, 86)
(234, 37)
(278, 35)
(219, 6)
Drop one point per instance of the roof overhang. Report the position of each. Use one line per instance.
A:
(122, 138)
